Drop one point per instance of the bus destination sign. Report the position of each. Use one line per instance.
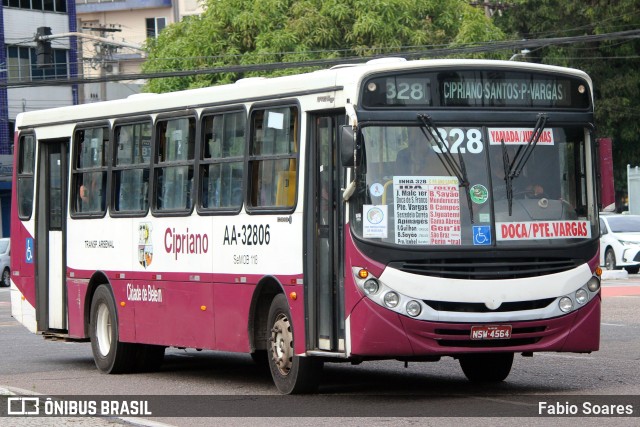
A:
(511, 92)
(476, 89)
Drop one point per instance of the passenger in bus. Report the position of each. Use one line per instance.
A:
(418, 158)
(90, 193)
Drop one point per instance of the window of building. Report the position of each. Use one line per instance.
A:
(132, 159)
(222, 163)
(18, 63)
(26, 163)
(173, 174)
(90, 171)
(46, 5)
(22, 65)
(154, 26)
(273, 158)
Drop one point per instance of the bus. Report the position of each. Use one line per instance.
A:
(394, 209)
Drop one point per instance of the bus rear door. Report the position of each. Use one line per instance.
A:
(51, 213)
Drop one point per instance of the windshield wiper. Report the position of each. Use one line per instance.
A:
(513, 168)
(457, 169)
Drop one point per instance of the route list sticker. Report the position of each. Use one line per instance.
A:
(427, 210)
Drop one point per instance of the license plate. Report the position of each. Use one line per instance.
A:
(491, 332)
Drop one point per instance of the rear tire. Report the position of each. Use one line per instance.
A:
(291, 374)
(487, 368)
(632, 270)
(110, 355)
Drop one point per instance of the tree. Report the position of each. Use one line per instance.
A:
(613, 65)
(243, 32)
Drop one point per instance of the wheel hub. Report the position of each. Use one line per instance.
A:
(282, 344)
(103, 330)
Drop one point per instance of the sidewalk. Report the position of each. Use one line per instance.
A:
(619, 283)
(614, 274)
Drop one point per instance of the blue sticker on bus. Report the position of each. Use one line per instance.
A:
(481, 235)
(28, 255)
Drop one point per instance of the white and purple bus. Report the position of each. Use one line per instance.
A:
(405, 210)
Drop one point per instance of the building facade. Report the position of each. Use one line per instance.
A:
(115, 34)
(20, 75)
(128, 23)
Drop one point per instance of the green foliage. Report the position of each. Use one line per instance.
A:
(244, 32)
(613, 65)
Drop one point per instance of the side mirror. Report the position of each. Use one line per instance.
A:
(348, 144)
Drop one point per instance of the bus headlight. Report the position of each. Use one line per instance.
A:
(565, 304)
(593, 284)
(371, 287)
(391, 299)
(582, 296)
(414, 308)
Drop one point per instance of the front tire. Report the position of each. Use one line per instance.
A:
(110, 355)
(6, 278)
(291, 374)
(487, 368)
(609, 260)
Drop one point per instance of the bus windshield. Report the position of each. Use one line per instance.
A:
(419, 188)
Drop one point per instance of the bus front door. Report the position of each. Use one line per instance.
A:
(51, 213)
(325, 301)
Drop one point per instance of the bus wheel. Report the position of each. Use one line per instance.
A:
(110, 355)
(486, 368)
(291, 374)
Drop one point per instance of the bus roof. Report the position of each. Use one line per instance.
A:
(256, 89)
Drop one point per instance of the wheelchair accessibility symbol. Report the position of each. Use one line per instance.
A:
(28, 256)
(481, 235)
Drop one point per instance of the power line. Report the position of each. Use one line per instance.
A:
(430, 53)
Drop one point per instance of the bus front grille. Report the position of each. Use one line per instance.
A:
(468, 307)
(485, 269)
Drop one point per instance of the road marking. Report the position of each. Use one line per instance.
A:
(14, 323)
(565, 356)
(612, 324)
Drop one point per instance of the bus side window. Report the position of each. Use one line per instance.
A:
(90, 170)
(174, 171)
(273, 158)
(222, 162)
(132, 156)
(26, 162)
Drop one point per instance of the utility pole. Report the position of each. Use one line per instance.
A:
(104, 48)
(44, 53)
(103, 58)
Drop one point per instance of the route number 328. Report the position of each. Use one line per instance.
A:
(460, 141)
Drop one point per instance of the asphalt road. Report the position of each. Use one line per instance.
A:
(387, 391)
